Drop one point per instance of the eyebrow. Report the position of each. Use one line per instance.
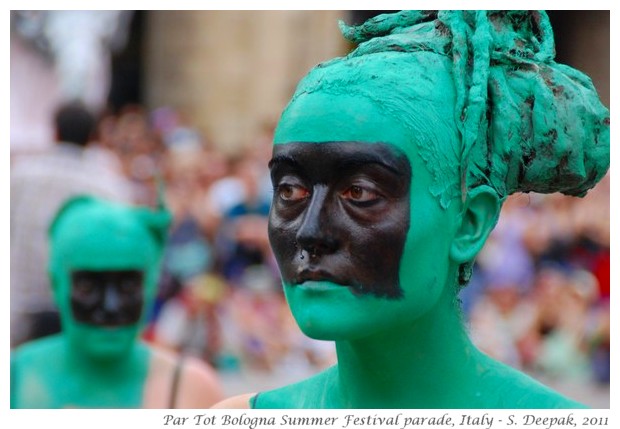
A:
(282, 159)
(348, 161)
(360, 159)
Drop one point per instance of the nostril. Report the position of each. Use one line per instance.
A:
(313, 236)
(316, 246)
(310, 252)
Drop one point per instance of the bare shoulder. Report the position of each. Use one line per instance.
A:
(191, 381)
(199, 385)
(198, 371)
(239, 402)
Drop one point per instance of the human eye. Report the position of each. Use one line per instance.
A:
(291, 192)
(130, 285)
(85, 287)
(361, 194)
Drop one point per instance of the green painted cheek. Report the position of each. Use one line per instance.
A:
(424, 268)
(423, 272)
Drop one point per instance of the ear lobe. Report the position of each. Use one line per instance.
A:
(478, 218)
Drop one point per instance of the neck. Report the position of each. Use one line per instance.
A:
(425, 365)
(107, 370)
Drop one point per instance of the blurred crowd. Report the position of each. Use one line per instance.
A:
(538, 300)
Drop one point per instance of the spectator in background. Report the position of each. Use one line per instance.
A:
(183, 320)
(39, 185)
(242, 240)
(139, 150)
(543, 305)
(562, 330)
(104, 266)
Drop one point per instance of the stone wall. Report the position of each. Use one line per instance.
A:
(231, 72)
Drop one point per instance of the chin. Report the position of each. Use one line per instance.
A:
(105, 343)
(108, 352)
(329, 333)
(326, 311)
(319, 330)
(335, 326)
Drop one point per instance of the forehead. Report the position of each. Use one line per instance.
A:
(101, 239)
(325, 117)
(116, 252)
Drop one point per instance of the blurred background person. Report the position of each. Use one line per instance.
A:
(104, 265)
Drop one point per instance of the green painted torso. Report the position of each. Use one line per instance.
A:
(500, 387)
(319, 391)
(42, 377)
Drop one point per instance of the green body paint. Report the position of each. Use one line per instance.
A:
(477, 104)
(88, 365)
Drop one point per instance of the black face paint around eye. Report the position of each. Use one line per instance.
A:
(340, 213)
(107, 298)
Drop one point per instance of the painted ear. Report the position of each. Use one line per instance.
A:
(478, 218)
(157, 221)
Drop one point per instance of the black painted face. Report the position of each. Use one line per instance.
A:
(340, 213)
(107, 298)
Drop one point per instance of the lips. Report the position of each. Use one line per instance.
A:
(310, 274)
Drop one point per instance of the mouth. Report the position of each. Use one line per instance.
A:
(317, 275)
(324, 281)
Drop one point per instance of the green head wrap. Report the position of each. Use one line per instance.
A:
(522, 121)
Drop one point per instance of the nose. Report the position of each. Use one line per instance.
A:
(315, 235)
(111, 301)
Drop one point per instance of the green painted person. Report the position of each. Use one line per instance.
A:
(390, 166)
(104, 265)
